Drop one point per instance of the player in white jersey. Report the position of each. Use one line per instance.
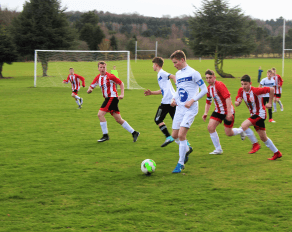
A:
(268, 82)
(188, 83)
(75, 83)
(167, 91)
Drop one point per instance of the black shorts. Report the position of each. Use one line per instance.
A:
(221, 117)
(162, 111)
(257, 122)
(277, 95)
(110, 104)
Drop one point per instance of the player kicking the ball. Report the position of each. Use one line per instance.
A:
(75, 82)
(253, 98)
(224, 111)
(167, 91)
(107, 82)
(186, 98)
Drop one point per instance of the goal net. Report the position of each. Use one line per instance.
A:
(51, 67)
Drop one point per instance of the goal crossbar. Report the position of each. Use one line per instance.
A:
(81, 51)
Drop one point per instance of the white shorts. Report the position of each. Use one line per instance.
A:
(184, 117)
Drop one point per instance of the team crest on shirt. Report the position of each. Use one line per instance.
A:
(183, 95)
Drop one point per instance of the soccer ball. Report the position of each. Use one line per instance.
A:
(148, 166)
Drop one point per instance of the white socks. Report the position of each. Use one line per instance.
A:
(182, 151)
(77, 97)
(128, 127)
(249, 133)
(237, 131)
(77, 101)
(275, 105)
(215, 139)
(271, 145)
(104, 127)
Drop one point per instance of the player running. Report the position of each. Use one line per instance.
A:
(224, 111)
(253, 98)
(167, 91)
(278, 90)
(107, 82)
(188, 82)
(75, 82)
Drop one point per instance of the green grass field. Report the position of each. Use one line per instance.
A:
(54, 176)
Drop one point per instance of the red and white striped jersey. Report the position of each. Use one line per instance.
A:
(75, 81)
(254, 100)
(107, 84)
(219, 93)
(279, 82)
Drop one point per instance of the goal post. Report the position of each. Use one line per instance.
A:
(284, 49)
(51, 67)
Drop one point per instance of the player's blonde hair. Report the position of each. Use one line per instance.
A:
(179, 54)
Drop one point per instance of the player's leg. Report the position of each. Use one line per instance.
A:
(117, 116)
(159, 117)
(269, 143)
(249, 133)
(103, 124)
(76, 98)
(213, 123)
(275, 104)
(270, 111)
(279, 102)
(230, 131)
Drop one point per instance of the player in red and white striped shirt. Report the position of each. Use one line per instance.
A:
(253, 98)
(278, 90)
(224, 111)
(107, 82)
(75, 82)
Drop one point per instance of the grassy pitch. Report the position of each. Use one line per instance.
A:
(56, 177)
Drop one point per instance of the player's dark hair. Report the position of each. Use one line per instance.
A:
(246, 78)
(101, 62)
(71, 68)
(178, 55)
(158, 60)
(270, 71)
(210, 72)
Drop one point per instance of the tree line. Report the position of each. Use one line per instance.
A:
(215, 31)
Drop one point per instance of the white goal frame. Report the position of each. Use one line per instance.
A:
(77, 51)
(136, 46)
(284, 49)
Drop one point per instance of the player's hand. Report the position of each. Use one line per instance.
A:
(89, 90)
(147, 92)
(204, 117)
(229, 117)
(121, 97)
(173, 103)
(239, 100)
(268, 105)
(189, 103)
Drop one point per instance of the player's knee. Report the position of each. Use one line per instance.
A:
(211, 129)
(157, 121)
(73, 95)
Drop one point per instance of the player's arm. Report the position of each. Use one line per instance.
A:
(93, 85)
(66, 81)
(122, 86)
(272, 91)
(82, 79)
(197, 97)
(171, 76)
(149, 92)
(238, 98)
(207, 108)
(229, 113)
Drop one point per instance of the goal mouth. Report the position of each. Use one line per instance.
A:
(51, 67)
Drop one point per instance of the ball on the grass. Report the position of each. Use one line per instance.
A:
(148, 166)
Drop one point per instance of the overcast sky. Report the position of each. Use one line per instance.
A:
(264, 10)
